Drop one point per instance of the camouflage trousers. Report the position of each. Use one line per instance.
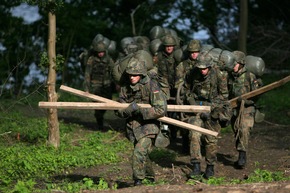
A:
(199, 141)
(142, 165)
(242, 122)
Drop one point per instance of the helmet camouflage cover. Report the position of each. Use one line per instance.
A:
(204, 62)
(99, 47)
(136, 67)
(168, 40)
(194, 46)
(239, 57)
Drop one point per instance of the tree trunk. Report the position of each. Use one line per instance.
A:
(53, 125)
(242, 46)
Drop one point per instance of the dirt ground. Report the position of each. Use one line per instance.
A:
(269, 149)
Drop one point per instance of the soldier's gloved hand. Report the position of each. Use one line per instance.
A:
(133, 107)
(191, 101)
(240, 99)
(205, 116)
(249, 102)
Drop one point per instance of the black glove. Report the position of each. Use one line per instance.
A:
(132, 108)
(127, 112)
(205, 116)
(247, 102)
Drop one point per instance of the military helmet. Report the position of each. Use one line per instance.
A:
(136, 67)
(204, 62)
(194, 46)
(240, 57)
(168, 40)
(99, 47)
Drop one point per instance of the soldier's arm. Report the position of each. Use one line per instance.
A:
(88, 71)
(157, 101)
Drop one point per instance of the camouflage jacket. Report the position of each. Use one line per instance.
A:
(242, 82)
(166, 72)
(181, 69)
(98, 72)
(147, 91)
(208, 90)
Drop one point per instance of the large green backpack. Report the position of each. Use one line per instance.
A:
(120, 66)
(255, 64)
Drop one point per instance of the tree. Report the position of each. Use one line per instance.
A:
(53, 124)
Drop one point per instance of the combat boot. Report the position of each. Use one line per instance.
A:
(137, 182)
(240, 164)
(209, 171)
(196, 170)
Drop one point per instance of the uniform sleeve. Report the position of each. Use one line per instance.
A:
(158, 102)
(223, 90)
(88, 71)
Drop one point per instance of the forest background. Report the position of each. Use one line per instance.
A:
(78, 21)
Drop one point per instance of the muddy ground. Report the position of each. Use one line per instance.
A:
(269, 149)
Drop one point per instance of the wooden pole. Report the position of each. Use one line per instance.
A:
(111, 106)
(259, 91)
(162, 119)
(115, 106)
(170, 108)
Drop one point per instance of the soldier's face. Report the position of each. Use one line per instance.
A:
(194, 55)
(134, 79)
(169, 49)
(236, 67)
(204, 71)
(101, 54)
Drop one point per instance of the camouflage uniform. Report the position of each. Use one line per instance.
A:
(187, 64)
(98, 79)
(166, 65)
(181, 69)
(242, 82)
(142, 124)
(204, 90)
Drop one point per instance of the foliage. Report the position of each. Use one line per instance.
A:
(275, 102)
(28, 158)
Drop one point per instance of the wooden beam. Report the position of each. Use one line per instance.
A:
(162, 119)
(116, 106)
(170, 108)
(259, 91)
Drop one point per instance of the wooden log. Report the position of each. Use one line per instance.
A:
(116, 106)
(259, 91)
(170, 108)
(166, 119)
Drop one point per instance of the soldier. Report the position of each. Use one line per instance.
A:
(98, 79)
(242, 81)
(193, 50)
(141, 124)
(166, 65)
(203, 88)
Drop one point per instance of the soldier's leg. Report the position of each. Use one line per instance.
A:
(99, 115)
(211, 147)
(195, 147)
(243, 136)
(140, 156)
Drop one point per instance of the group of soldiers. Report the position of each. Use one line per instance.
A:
(196, 78)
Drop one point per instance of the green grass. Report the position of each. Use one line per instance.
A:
(275, 103)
